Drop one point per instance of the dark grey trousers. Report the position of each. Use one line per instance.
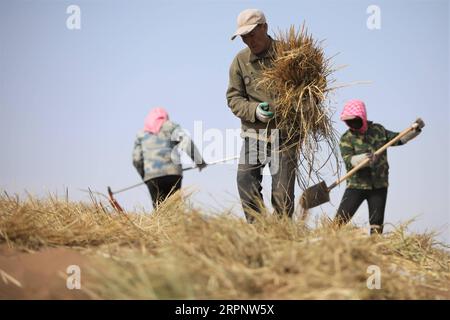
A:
(353, 198)
(255, 155)
(162, 187)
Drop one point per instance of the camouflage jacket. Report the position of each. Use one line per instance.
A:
(353, 143)
(156, 155)
(243, 94)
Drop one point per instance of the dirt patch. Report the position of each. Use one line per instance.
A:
(39, 275)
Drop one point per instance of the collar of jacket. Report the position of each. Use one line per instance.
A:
(267, 54)
(355, 132)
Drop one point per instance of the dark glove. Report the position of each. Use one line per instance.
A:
(420, 124)
(202, 165)
(373, 158)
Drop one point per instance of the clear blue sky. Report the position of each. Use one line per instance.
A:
(71, 101)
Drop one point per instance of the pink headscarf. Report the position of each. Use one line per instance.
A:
(355, 108)
(155, 119)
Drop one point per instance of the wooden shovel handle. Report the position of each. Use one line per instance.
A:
(414, 126)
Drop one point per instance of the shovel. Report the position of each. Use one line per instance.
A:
(320, 193)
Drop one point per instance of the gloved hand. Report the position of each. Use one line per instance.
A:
(420, 123)
(262, 112)
(357, 159)
(414, 133)
(373, 158)
(202, 165)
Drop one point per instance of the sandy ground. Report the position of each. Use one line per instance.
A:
(43, 275)
(39, 275)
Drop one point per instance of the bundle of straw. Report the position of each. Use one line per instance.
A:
(299, 80)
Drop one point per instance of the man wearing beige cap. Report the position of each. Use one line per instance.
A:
(256, 110)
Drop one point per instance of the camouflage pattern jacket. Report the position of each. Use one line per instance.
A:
(354, 143)
(156, 155)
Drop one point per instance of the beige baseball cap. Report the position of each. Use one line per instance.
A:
(247, 21)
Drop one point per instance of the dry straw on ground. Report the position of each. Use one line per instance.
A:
(177, 252)
(299, 78)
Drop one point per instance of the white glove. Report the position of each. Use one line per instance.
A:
(262, 112)
(411, 135)
(356, 160)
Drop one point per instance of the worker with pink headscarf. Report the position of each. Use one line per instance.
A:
(370, 183)
(156, 157)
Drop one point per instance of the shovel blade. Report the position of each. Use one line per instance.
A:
(315, 196)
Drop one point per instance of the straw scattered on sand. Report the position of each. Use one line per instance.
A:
(178, 252)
